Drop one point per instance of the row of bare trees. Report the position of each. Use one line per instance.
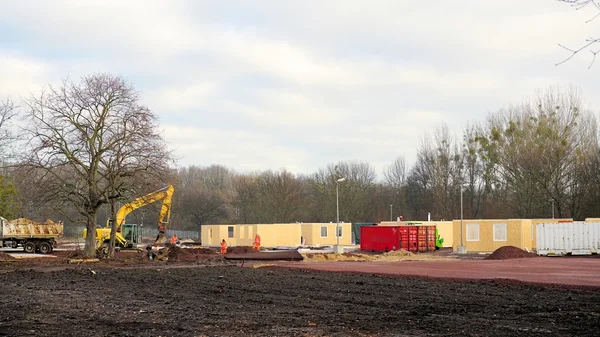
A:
(87, 146)
(535, 159)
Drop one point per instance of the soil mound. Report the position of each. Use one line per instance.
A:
(205, 251)
(188, 254)
(241, 250)
(400, 252)
(178, 254)
(6, 257)
(76, 254)
(509, 252)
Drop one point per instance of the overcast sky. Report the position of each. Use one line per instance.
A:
(259, 85)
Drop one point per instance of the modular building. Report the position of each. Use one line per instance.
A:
(487, 235)
(276, 235)
(323, 234)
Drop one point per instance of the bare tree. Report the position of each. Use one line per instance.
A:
(280, 196)
(355, 193)
(8, 111)
(91, 140)
(590, 42)
(202, 206)
(395, 174)
(246, 198)
(540, 149)
(396, 178)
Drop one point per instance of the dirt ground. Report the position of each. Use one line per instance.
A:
(571, 271)
(205, 298)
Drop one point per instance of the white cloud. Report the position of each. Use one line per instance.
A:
(21, 76)
(181, 97)
(242, 150)
(287, 84)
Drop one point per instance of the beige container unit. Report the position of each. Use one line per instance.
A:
(211, 235)
(271, 235)
(276, 235)
(323, 234)
(445, 228)
(487, 235)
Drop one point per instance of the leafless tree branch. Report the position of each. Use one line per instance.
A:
(579, 4)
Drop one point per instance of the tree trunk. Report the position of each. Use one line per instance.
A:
(90, 240)
(113, 230)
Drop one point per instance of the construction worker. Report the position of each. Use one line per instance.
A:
(174, 240)
(256, 243)
(223, 247)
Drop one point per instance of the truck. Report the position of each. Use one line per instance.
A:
(31, 235)
(128, 235)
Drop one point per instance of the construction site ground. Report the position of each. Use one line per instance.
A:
(198, 293)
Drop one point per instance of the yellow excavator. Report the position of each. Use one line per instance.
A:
(129, 234)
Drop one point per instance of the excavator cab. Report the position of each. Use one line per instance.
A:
(132, 233)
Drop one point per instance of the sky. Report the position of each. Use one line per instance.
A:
(298, 85)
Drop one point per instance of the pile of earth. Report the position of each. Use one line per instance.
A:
(241, 250)
(76, 254)
(6, 257)
(176, 253)
(509, 252)
(400, 252)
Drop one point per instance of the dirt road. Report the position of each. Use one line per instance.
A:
(234, 301)
(573, 271)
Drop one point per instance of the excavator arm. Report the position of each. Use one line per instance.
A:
(165, 194)
(165, 215)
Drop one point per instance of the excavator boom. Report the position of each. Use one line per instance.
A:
(165, 194)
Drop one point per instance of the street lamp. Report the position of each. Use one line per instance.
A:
(338, 249)
(391, 217)
(461, 249)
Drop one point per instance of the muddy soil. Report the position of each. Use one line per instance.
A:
(510, 252)
(268, 301)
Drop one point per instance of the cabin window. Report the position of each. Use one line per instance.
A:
(324, 231)
(500, 232)
(230, 231)
(472, 232)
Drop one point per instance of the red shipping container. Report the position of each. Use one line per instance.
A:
(388, 238)
(426, 239)
(379, 238)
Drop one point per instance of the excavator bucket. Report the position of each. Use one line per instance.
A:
(160, 238)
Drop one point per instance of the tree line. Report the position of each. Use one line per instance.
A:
(534, 159)
(81, 148)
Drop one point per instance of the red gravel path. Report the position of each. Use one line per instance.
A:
(547, 270)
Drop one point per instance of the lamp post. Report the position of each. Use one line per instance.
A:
(461, 216)
(338, 249)
(391, 217)
(461, 249)
(552, 208)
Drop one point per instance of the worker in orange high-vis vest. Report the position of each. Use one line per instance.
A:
(174, 240)
(257, 242)
(223, 247)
